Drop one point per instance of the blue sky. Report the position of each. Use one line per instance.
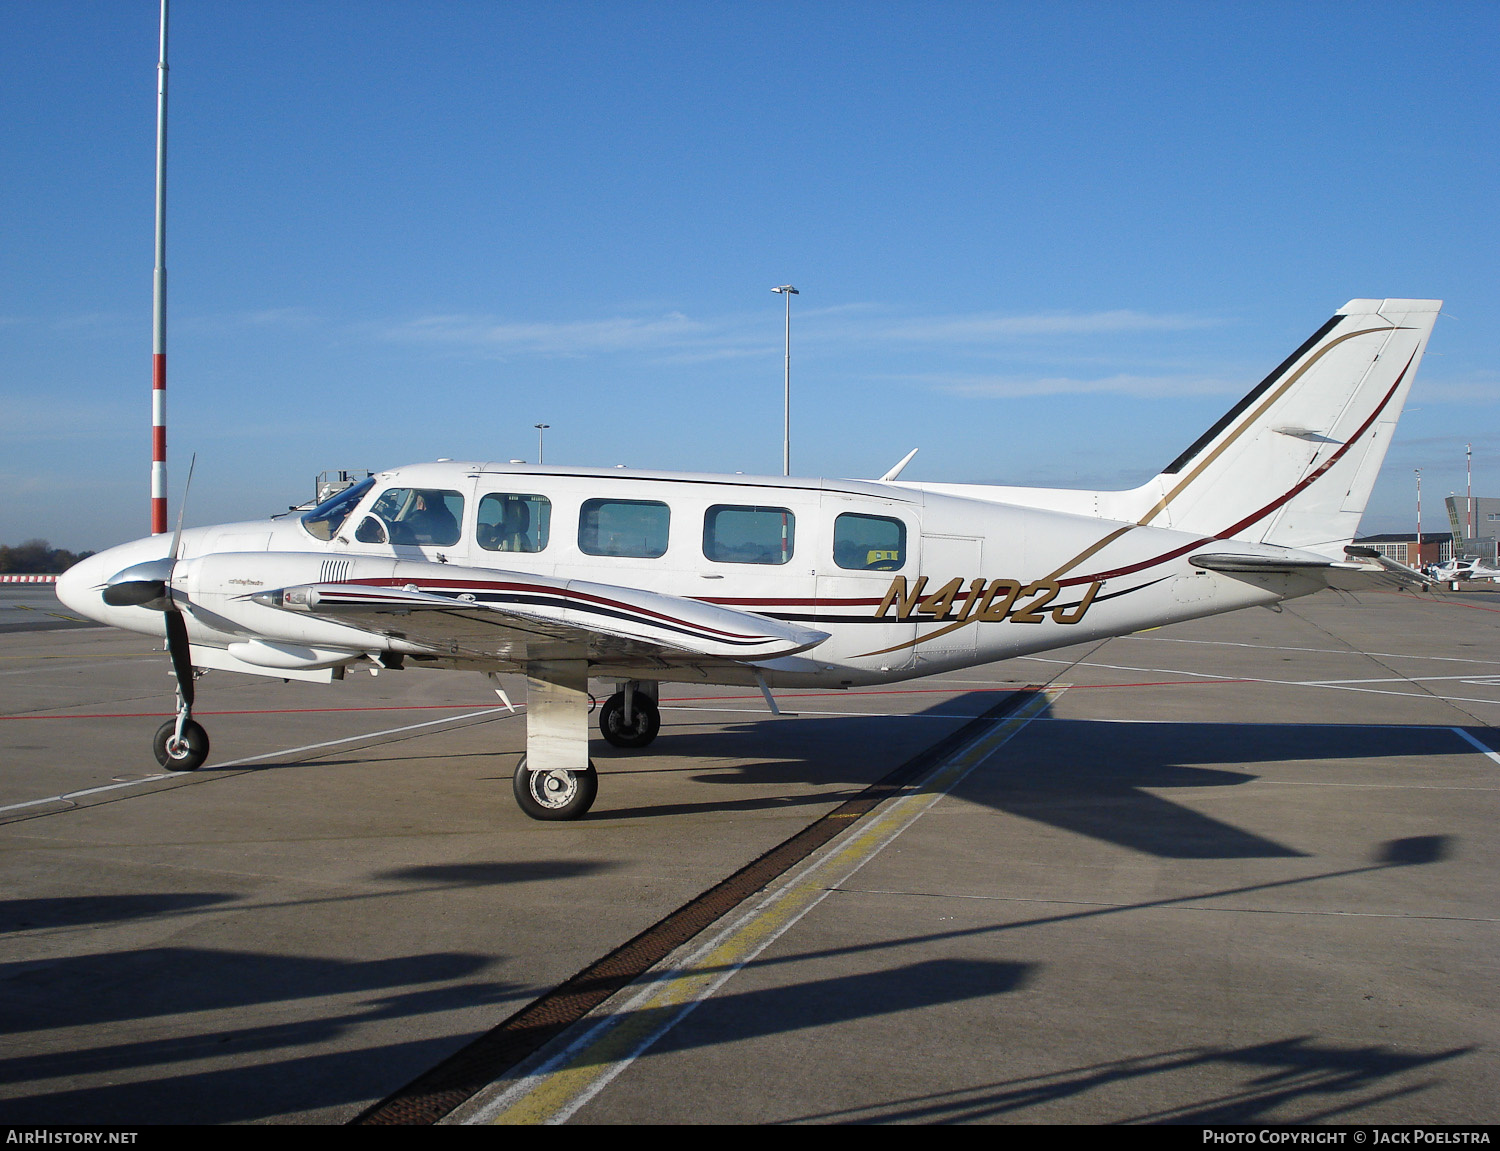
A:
(1046, 244)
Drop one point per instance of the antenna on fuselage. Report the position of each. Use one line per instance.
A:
(159, 302)
(896, 471)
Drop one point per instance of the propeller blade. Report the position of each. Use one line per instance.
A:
(182, 507)
(182, 659)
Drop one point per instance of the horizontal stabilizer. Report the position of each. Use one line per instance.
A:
(1364, 570)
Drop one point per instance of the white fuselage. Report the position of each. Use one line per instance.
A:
(971, 581)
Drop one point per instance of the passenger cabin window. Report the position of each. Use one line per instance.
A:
(325, 520)
(514, 523)
(748, 535)
(424, 516)
(634, 528)
(868, 543)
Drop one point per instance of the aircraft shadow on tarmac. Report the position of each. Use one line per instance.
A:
(277, 1065)
(1299, 1079)
(1089, 777)
(1293, 1080)
(1083, 776)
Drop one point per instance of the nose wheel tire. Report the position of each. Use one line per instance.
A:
(187, 754)
(555, 795)
(645, 720)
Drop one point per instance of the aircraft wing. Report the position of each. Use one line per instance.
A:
(1364, 570)
(478, 614)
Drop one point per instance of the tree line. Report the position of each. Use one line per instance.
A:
(37, 557)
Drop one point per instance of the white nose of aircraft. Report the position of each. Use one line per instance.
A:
(82, 585)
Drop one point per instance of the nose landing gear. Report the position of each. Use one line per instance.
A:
(185, 752)
(180, 744)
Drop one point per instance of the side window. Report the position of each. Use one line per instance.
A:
(514, 523)
(869, 543)
(636, 528)
(748, 535)
(425, 516)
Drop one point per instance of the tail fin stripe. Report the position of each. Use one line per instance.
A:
(1162, 503)
(1249, 398)
(1232, 529)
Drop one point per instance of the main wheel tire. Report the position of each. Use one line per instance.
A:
(185, 756)
(555, 795)
(644, 725)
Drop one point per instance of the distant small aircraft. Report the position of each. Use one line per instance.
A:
(638, 578)
(1458, 569)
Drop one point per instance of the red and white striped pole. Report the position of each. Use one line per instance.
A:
(1469, 468)
(159, 302)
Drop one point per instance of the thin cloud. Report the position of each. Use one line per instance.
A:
(1150, 387)
(578, 337)
(1479, 387)
(690, 338)
(992, 327)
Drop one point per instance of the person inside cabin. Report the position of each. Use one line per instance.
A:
(430, 520)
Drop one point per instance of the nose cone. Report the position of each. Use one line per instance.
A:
(80, 587)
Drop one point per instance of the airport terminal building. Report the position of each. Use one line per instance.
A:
(1437, 547)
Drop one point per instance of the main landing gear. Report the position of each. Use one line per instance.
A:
(555, 779)
(631, 717)
(557, 794)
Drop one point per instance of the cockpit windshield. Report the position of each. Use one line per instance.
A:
(324, 521)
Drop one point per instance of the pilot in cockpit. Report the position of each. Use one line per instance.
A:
(430, 520)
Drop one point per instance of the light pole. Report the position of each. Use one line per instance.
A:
(1419, 517)
(786, 421)
(541, 431)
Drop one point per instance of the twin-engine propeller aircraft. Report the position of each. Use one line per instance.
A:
(639, 578)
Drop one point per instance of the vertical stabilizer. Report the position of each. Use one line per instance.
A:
(1293, 462)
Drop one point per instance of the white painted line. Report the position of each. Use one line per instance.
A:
(357, 738)
(1253, 679)
(68, 796)
(1467, 738)
(612, 1037)
(1315, 650)
(1467, 677)
(1174, 907)
(75, 666)
(71, 795)
(802, 711)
